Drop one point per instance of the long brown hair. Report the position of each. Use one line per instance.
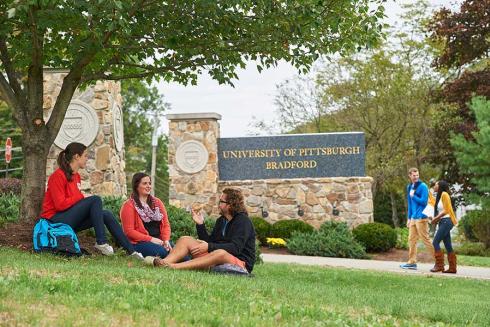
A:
(235, 199)
(135, 183)
(66, 156)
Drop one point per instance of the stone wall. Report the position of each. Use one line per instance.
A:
(104, 174)
(188, 187)
(352, 197)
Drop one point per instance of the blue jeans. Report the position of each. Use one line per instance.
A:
(151, 249)
(88, 213)
(443, 234)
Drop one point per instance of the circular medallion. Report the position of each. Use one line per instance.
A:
(191, 157)
(117, 122)
(81, 125)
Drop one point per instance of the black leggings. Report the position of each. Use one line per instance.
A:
(88, 213)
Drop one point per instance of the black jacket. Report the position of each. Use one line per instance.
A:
(238, 238)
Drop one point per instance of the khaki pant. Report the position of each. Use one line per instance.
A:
(419, 228)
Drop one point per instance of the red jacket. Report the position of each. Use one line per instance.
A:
(61, 194)
(134, 228)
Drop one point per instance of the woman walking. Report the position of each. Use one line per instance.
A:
(445, 219)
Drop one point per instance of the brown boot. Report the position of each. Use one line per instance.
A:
(451, 257)
(439, 265)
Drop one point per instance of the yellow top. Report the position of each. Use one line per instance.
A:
(448, 207)
(432, 199)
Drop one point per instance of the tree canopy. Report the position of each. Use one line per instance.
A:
(174, 41)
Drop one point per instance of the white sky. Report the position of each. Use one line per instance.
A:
(253, 94)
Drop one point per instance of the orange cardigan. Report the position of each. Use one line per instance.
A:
(134, 228)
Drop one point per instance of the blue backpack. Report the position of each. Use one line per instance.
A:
(56, 238)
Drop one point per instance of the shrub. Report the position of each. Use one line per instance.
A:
(262, 229)
(376, 237)
(181, 223)
(466, 225)
(10, 186)
(481, 227)
(10, 205)
(331, 240)
(285, 228)
(113, 204)
(401, 238)
(473, 249)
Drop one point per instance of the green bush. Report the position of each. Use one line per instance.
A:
(285, 228)
(466, 225)
(473, 249)
(331, 240)
(481, 227)
(181, 223)
(376, 237)
(262, 229)
(9, 204)
(113, 204)
(401, 238)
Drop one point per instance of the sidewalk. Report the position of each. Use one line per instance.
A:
(376, 265)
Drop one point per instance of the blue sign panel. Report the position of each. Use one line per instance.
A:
(292, 156)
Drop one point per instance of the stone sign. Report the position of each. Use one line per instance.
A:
(81, 125)
(292, 156)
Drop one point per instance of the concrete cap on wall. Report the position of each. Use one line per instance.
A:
(194, 116)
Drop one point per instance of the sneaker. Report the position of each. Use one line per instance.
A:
(137, 255)
(149, 260)
(105, 249)
(412, 266)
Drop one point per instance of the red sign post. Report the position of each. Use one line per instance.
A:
(8, 154)
(8, 150)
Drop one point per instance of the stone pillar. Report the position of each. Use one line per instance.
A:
(94, 118)
(192, 160)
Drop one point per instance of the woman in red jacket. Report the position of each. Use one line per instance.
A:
(65, 203)
(145, 220)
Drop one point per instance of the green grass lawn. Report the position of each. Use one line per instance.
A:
(47, 290)
(466, 260)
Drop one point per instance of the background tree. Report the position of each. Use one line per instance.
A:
(175, 41)
(474, 155)
(465, 39)
(142, 103)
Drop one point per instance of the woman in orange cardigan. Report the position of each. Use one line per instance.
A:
(445, 219)
(144, 219)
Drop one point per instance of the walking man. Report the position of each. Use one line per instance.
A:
(417, 222)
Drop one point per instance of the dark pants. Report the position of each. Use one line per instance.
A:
(443, 234)
(151, 249)
(88, 213)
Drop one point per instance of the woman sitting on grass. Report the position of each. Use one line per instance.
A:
(145, 220)
(445, 219)
(65, 203)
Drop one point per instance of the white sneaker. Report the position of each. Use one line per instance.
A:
(137, 255)
(105, 249)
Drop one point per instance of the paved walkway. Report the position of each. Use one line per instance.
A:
(377, 265)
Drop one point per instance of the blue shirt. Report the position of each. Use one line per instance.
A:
(417, 202)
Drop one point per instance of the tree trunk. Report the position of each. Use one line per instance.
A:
(35, 152)
(394, 212)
